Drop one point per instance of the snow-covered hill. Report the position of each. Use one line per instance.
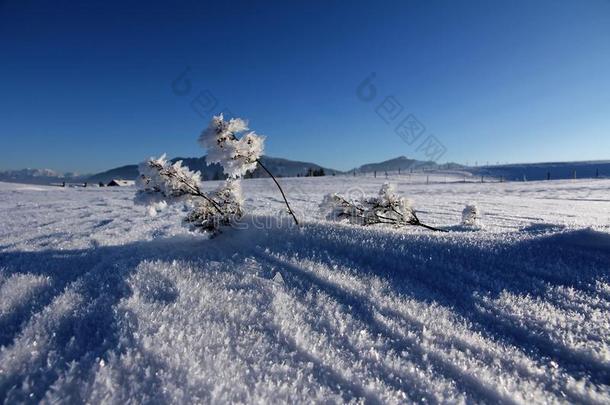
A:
(100, 303)
(508, 172)
(38, 176)
(404, 164)
(543, 171)
(290, 168)
(278, 166)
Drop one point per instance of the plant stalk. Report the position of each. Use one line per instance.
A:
(281, 191)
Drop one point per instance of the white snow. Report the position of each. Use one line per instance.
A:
(471, 215)
(226, 144)
(101, 303)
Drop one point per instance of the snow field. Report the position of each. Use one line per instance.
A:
(101, 303)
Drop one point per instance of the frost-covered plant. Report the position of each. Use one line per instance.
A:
(205, 216)
(386, 208)
(162, 182)
(471, 215)
(237, 156)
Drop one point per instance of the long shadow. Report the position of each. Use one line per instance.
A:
(362, 310)
(436, 270)
(11, 322)
(325, 374)
(427, 269)
(101, 276)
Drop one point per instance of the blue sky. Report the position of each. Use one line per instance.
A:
(89, 87)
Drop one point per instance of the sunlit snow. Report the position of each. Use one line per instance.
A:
(101, 302)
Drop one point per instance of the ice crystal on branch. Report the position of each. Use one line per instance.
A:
(165, 180)
(161, 181)
(388, 204)
(386, 208)
(236, 155)
(471, 215)
(336, 207)
(206, 217)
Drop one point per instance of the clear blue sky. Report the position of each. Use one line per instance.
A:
(89, 87)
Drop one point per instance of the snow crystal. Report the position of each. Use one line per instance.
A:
(156, 313)
(222, 141)
(471, 215)
(278, 278)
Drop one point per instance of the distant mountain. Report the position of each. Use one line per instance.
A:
(39, 176)
(290, 168)
(128, 172)
(278, 166)
(405, 164)
(540, 171)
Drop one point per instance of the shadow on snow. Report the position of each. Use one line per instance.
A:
(450, 270)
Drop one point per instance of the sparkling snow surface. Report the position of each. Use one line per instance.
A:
(100, 302)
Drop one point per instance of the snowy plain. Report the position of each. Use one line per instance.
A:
(102, 303)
